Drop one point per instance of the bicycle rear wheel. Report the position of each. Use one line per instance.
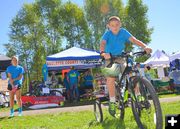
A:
(98, 111)
(145, 105)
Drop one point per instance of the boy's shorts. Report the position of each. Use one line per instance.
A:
(118, 60)
(10, 87)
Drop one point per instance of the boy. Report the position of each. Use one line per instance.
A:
(15, 74)
(113, 41)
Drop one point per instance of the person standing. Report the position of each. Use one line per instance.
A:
(66, 84)
(15, 75)
(88, 80)
(73, 79)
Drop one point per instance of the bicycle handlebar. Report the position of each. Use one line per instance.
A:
(124, 55)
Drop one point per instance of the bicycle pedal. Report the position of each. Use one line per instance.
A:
(117, 115)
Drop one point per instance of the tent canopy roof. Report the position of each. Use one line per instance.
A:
(4, 62)
(4, 58)
(175, 56)
(158, 58)
(74, 53)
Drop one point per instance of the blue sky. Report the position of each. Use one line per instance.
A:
(164, 16)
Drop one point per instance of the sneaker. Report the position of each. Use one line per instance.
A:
(112, 108)
(20, 114)
(140, 98)
(11, 112)
(20, 111)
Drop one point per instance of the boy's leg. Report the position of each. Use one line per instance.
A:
(19, 101)
(111, 88)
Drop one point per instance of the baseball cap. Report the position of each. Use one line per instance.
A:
(15, 57)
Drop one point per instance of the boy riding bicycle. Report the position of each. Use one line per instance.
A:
(113, 42)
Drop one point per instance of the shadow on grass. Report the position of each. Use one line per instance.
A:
(5, 118)
(111, 124)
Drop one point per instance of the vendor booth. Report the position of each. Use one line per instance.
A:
(78, 57)
(4, 63)
(4, 94)
(159, 61)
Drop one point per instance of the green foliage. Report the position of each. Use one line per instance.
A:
(74, 23)
(136, 21)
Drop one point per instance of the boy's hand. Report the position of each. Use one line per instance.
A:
(106, 56)
(148, 50)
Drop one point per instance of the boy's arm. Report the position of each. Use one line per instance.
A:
(102, 50)
(10, 79)
(102, 47)
(141, 44)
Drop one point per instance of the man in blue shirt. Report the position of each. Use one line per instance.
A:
(66, 84)
(73, 79)
(88, 80)
(15, 74)
(114, 41)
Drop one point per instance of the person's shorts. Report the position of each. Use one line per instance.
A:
(88, 87)
(10, 87)
(118, 60)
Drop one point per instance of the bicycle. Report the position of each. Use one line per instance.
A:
(136, 90)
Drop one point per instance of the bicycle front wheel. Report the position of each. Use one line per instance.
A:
(98, 111)
(145, 105)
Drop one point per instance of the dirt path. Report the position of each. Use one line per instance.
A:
(73, 109)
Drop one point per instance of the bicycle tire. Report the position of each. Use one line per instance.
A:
(139, 113)
(98, 111)
(120, 104)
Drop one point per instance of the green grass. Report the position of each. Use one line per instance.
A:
(79, 120)
(168, 95)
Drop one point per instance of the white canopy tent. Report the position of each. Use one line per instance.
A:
(175, 56)
(158, 60)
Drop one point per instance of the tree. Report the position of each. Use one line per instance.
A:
(75, 26)
(50, 14)
(136, 22)
(97, 13)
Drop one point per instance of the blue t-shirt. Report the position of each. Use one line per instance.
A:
(88, 80)
(15, 72)
(115, 43)
(73, 77)
(65, 81)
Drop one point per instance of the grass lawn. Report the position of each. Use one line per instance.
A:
(79, 120)
(168, 95)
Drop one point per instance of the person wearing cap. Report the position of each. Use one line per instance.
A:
(113, 42)
(15, 75)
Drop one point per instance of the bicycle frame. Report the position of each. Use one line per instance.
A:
(127, 75)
